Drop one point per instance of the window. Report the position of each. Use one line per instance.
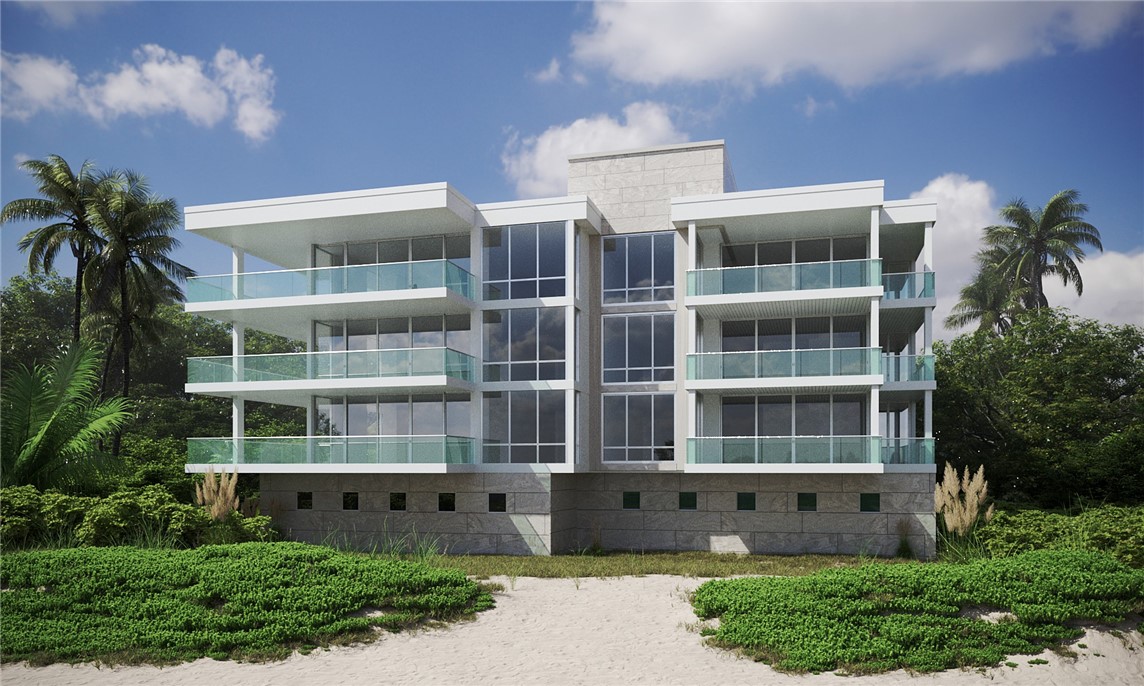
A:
(498, 502)
(349, 501)
(524, 427)
(639, 268)
(807, 502)
(870, 502)
(305, 500)
(390, 415)
(525, 261)
(397, 502)
(688, 500)
(639, 348)
(524, 344)
(802, 415)
(794, 252)
(745, 502)
(631, 500)
(639, 427)
(446, 502)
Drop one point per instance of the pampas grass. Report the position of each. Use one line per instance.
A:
(217, 495)
(959, 500)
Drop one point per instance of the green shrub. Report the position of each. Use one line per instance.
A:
(246, 601)
(148, 516)
(882, 617)
(1118, 531)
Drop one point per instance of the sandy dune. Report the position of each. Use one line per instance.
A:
(564, 631)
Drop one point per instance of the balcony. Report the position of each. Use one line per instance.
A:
(809, 450)
(908, 286)
(826, 368)
(907, 368)
(774, 278)
(350, 364)
(368, 278)
(263, 454)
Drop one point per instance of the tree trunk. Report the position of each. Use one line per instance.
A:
(125, 344)
(77, 312)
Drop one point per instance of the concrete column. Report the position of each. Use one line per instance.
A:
(927, 332)
(570, 444)
(927, 247)
(927, 419)
(692, 248)
(875, 226)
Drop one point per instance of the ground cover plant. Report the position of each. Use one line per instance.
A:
(251, 601)
(878, 618)
(1118, 531)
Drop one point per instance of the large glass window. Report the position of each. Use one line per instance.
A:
(393, 415)
(524, 344)
(639, 268)
(525, 261)
(639, 427)
(393, 333)
(805, 333)
(639, 348)
(802, 415)
(453, 248)
(792, 252)
(524, 427)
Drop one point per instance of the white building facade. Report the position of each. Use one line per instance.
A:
(655, 361)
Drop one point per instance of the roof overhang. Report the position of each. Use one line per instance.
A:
(725, 208)
(578, 208)
(279, 230)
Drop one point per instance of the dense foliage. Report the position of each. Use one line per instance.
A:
(882, 617)
(147, 516)
(1052, 409)
(1118, 531)
(248, 601)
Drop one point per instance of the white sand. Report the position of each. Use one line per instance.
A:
(555, 631)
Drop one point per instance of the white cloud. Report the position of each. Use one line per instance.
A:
(964, 208)
(811, 106)
(538, 165)
(34, 83)
(548, 74)
(20, 158)
(158, 81)
(64, 15)
(851, 44)
(1113, 289)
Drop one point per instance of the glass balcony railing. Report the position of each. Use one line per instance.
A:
(907, 451)
(348, 364)
(808, 450)
(906, 286)
(301, 450)
(898, 368)
(784, 363)
(366, 278)
(784, 277)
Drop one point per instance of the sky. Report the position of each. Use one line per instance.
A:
(971, 104)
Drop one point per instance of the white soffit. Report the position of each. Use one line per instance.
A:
(578, 208)
(916, 211)
(280, 230)
(713, 209)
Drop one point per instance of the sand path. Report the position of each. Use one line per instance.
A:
(560, 631)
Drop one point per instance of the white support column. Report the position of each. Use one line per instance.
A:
(237, 349)
(570, 414)
(875, 422)
(927, 332)
(477, 341)
(927, 417)
(927, 248)
(875, 229)
(875, 322)
(692, 245)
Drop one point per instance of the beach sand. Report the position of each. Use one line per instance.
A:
(633, 630)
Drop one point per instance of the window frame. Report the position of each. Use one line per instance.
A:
(657, 292)
(658, 453)
(666, 373)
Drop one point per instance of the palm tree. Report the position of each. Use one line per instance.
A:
(66, 196)
(52, 422)
(133, 271)
(1043, 242)
(992, 299)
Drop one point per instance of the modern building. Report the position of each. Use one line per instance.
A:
(655, 361)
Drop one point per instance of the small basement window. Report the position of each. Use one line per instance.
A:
(498, 502)
(349, 501)
(631, 500)
(870, 502)
(807, 502)
(397, 502)
(688, 500)
(305, 500)
(745, 502)
(446, 502)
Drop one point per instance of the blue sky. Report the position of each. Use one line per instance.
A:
(973, 104)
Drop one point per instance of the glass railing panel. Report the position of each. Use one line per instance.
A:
(908, 285)
(907, 451)
(333, 365)
(771, 364)
(784, 450)
(784, 277)
(366, 278)
(898, 368)
(331, 450)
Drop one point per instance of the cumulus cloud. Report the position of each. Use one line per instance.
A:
(811, 106)
(964, 207)
(548, 74)
(64, 15)
(158, 81)
(851, 44)
(538, 165)
(1113, 288)
(20, 158)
